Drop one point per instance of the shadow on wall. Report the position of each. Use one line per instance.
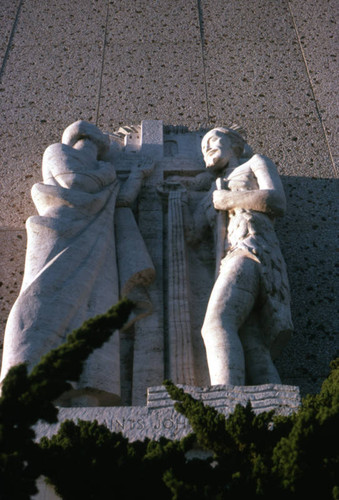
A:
(308, 235)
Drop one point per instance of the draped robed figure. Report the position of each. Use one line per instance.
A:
(80, 257)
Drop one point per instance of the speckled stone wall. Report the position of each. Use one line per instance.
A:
(269, 65)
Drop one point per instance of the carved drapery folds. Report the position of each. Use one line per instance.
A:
(170, 231)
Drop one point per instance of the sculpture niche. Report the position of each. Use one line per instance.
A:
(77, 262)
(248, 317)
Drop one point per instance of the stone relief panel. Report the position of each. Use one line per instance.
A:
(137, 212)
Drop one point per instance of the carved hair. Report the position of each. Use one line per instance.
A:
(238, 142)
(84, 130)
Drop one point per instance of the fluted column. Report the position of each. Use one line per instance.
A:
(179, 342)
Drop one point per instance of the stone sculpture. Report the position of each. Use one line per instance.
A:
(180, 351)
(77, 262)
(202, 256)
(248, 314)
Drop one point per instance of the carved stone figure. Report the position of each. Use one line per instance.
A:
(248, 314)
(85, 249)
(77, 261)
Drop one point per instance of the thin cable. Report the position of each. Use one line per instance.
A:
(313, 92)
(202, 39)
(10, 40)
(102, 66)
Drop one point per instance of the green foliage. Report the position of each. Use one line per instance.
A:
(307, 459)
(86, 461)
(241, 445)
(26, 398)
(258, 456)
(266, 456)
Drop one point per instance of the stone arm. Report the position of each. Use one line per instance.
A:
(197, 221)
(131, 187)
(268, 198)
(129, 190)
(73, 169)
(91, 181)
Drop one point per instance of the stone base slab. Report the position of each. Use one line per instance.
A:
(284, 399)
(159, 419)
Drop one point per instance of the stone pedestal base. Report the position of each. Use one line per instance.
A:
(284, 399)
(159, 418)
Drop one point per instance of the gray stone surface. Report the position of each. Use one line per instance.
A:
(159, 419)
(135, 74)
(12, 258)
(136, 423)
(256, 43)
(51, 78)
(313, 273)
(9, 11)
(153, 67)
(283, 399)
(271, 66)
(317, 31)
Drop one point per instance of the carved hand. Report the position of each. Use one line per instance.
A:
(221, 199)
(145, 166)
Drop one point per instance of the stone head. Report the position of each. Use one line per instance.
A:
(219, 145)
(81, 130)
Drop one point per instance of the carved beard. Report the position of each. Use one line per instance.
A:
(215, 158)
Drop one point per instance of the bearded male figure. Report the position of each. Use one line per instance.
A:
(248, 317)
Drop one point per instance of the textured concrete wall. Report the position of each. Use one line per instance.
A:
(269, 65)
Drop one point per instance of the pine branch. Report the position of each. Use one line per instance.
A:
(27, 398)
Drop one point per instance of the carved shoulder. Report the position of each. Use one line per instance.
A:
(266, 173)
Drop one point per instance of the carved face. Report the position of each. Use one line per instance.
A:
(216, 148)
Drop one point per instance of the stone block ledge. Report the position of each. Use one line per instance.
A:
(160, 419)
(284, 399)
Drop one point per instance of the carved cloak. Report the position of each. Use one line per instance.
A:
(72, 274)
